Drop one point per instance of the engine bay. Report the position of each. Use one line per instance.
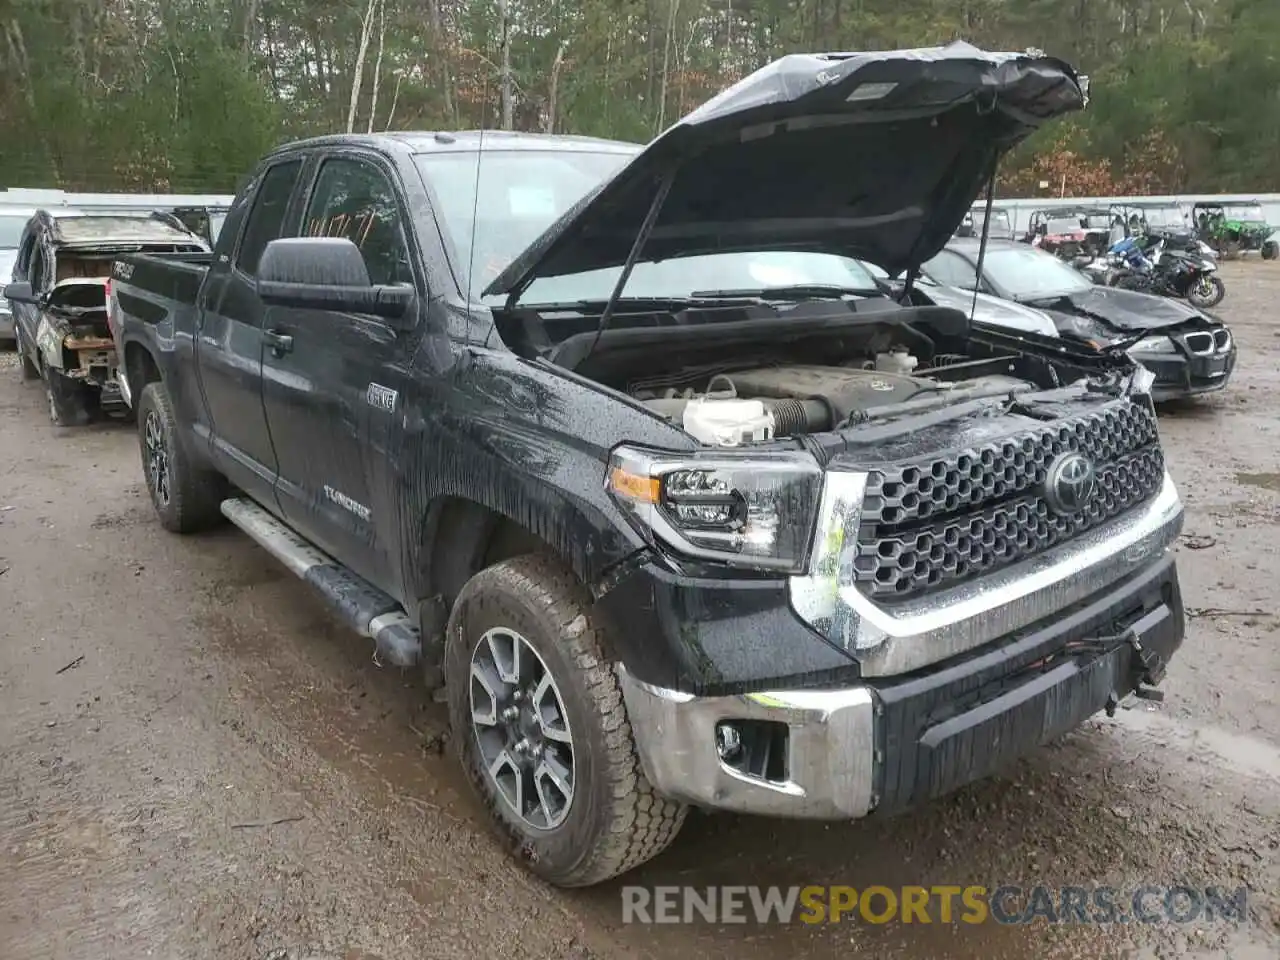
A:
(756, 403)
(739, 374)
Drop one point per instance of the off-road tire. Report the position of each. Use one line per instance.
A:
(194, 494)
(1270, 250)
(616, 820)
(29, 371)
(69, 400)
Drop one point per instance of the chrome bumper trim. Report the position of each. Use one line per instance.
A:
(918, 633)
(830, 761)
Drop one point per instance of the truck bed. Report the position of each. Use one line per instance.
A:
(172, 277)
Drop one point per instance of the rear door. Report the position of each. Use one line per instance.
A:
(334, 383)
(229, 337)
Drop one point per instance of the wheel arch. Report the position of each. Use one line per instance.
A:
(140, 367)
(462, 535)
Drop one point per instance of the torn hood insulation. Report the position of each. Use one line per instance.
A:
(874, 156)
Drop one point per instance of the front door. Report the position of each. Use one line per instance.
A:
(229, 340)
(334, 383)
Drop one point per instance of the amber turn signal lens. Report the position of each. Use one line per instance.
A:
(633, 486)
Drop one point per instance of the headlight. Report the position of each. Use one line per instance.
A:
(1157, 344)
(744, 510)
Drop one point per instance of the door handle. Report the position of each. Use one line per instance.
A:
(280, 343)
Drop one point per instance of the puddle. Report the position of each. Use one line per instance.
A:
(1245, 755)
(1267, 481)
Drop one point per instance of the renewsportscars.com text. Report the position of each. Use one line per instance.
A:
(938, 903)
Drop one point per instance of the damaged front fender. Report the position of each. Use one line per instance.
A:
(51, 331)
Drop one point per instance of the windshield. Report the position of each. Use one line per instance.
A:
(1029, 274)
(11, 227)
(682, 276)
(1246, 213)
(999, 219)
(1163, 217)
(522, 192)
(1097, 221)
(1063, 226)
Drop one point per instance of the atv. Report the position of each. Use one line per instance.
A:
(1235, 227)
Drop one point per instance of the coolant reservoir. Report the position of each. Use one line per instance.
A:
(728, 423)
(898, 360)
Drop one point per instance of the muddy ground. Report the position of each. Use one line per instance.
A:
(195, 761)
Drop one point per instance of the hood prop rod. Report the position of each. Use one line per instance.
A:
(642, 236)
(986, 232)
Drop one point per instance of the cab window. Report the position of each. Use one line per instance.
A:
(354, 199)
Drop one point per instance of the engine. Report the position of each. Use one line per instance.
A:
(792, 399)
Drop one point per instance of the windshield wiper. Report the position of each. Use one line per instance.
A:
(798, 291)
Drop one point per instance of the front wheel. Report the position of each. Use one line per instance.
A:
(68, 399)
(29, 370)
(1206, 292)
(1270, 250)
(540, 727)
(185, 497)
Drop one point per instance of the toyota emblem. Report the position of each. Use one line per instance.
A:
(1070, 483)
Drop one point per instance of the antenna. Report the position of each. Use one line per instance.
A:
(475, 211)
(986, 230)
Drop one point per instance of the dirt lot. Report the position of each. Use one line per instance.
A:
(195, 761)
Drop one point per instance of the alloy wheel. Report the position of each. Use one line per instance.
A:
(157, 457)
(521, 728)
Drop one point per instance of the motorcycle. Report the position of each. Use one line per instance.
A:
(1183, 274)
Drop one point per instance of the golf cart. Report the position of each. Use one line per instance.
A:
(1001, 227)
(1151, 222)
(1070, 233)
(1235, 227)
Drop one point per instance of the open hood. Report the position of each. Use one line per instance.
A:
(875, 156)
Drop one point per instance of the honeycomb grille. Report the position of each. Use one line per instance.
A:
(933, 522)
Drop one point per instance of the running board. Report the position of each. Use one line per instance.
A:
(361, 605)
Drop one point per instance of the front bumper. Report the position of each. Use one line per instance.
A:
(1178, 376)
(885, 745)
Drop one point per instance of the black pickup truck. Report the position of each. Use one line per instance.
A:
(610, 442)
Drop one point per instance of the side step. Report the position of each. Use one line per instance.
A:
(369, 611)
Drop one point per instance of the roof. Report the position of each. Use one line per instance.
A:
(971, 244)
(1069, 209)
(82, 228)
(442, 141)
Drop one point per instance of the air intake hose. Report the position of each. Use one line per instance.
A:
(795, 417)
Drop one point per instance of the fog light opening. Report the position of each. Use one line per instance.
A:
(754, 748)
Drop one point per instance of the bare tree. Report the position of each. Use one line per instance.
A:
(553, 91)
(504, 15)
(377, 63)
(358, 74)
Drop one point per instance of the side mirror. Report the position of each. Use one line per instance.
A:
(20, 292)
(327, 273)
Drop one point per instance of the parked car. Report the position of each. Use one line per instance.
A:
(58, 299)
(669, 545)
(983, 308)
(1189, 351)
(13, 221)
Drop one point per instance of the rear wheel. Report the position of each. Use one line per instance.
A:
(185, 497)
(69, 400)
(540, 727)
(1206, 292)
